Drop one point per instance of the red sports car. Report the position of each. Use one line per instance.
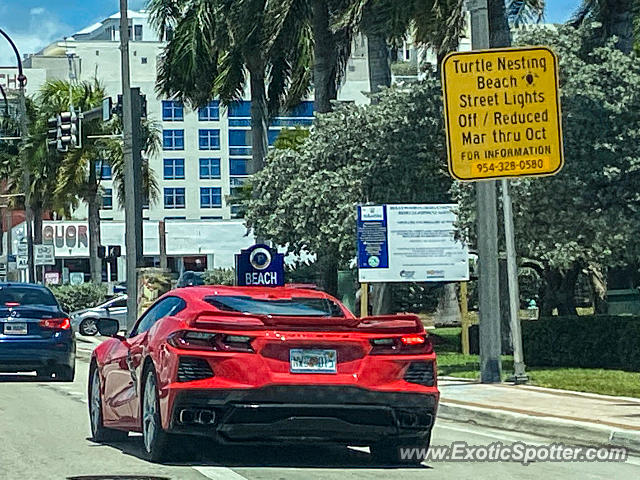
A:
(264, 365)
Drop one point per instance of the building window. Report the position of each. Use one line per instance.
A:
(174, 198)
(137, 32)
(209, 139)
(238, 166)
(173, 139)
(143, 60)
(209, 112)
(209, 168)
(241, 108)
(103, 170)
(174, 168)
(172, 111)
(107, 199)
(210, 197)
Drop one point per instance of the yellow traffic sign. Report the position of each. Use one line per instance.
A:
(502, 109)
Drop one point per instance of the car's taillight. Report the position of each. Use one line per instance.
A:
(56, 323)
(405, 344)
(217, 342)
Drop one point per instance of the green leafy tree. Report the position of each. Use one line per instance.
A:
(389, 152)
(614, 17)
(587, 215)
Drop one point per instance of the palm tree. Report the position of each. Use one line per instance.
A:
(215, 43)
(616, 17)
(76, 175)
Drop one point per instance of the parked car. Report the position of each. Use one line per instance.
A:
(264, 365)
(84, 321)
(35, 334)
(190, 279)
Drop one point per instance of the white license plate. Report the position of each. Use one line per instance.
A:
(313, 361)
(15, 328)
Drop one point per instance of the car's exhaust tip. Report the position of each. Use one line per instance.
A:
(188, 416)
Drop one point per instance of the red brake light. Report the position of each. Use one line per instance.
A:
(11, 304)
(217, 342)
(56, 323)
(407, 344)
(413, 339)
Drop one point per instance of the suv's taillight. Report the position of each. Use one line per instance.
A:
(56, 323)
(405, 344)
(217, 342)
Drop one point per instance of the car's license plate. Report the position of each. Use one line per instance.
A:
(313, 361)
(15, 328)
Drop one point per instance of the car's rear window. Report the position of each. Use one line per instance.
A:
(17, 296)
(291, 307)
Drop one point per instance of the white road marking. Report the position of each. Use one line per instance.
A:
(219, 473)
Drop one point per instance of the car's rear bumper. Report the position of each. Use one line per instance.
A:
(329, 414)
(24, 355)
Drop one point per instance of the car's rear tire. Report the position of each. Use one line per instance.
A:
(390, 452)
(100, 433)
(157, 442)
(65, 373)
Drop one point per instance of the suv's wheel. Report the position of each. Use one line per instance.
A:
(100, 433)
(399, 453)
(156, 440)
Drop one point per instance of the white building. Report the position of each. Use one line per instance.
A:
(205, 152)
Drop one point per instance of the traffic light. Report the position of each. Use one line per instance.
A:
(114, 251)
(68, 128)
(102, 251)
(52, 131)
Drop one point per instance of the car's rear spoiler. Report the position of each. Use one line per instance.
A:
(402, 323)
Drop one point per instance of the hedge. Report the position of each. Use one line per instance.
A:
(600, 341)
(77, 297)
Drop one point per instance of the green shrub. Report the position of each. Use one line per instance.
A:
(598, 341)
(77, 297)
(219, 276)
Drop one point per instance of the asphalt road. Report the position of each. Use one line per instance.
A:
(44, 429)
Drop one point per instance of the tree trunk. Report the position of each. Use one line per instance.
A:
(620, 23)
(598, 281)
(560, 292)
(381, 299)
(95, 263)
(379, 64)
(448, 312)
(259, 121)
(37, 223)
(498, 24)
(324, 54)
(330, 275)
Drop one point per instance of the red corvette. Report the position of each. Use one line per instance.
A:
(256, 365)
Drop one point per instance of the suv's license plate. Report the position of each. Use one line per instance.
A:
(312, 361)
(15, 328)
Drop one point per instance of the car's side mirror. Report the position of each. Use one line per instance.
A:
(108, 327)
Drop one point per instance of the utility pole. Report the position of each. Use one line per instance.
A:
(487, 230)
(130, 175)
(519, 375)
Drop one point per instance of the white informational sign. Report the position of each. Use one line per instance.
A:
(23, 250)
(52, 278)
(76, 278)
(410, 243)
(44, 255)
(22, 262)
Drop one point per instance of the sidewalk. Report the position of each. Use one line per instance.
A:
(582, 418)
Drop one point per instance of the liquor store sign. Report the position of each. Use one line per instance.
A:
(502, 110)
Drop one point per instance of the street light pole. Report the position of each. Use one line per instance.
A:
(488, 292)
(26, 174)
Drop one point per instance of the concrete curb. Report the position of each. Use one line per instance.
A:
(581, 433)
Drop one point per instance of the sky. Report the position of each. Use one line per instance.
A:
(33, 24)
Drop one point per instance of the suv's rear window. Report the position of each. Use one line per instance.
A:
(26, 296)
(291, 307)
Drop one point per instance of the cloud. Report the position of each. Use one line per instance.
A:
(37, 11)
(31, 38)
